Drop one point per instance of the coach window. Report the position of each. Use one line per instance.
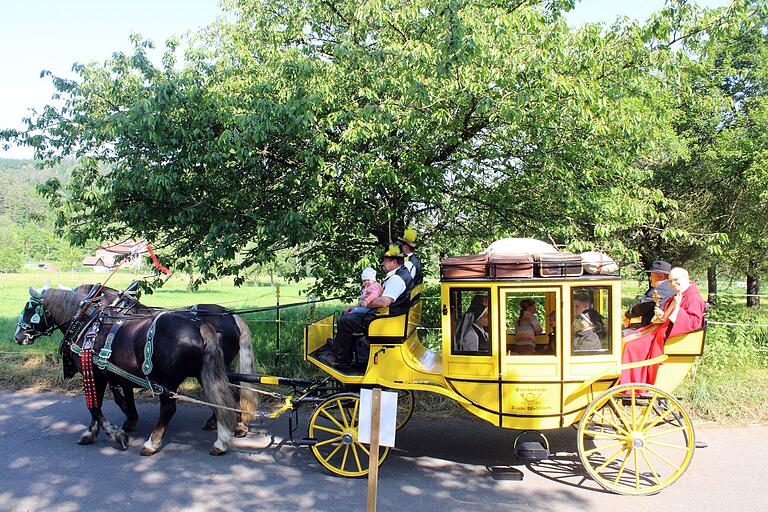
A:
(470, 321)
(590, 315)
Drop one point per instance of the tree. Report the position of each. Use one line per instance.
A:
(327, 127)
(721, 178)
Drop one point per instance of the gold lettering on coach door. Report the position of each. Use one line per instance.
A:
(529, 399)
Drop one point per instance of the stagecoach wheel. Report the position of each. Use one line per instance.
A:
(635, 439)
(405, 403)
(334, 425)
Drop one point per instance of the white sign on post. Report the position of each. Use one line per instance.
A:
(388, 418)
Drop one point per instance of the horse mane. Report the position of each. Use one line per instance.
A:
(62, 303)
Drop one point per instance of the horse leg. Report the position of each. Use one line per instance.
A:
(98, 421)
(92, 432)
(117, 434)
(241, 430)
(90, 435)
(124, 399)
(210, 423)
(167, 410)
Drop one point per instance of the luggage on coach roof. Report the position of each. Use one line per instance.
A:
(464, 267)
(510, 265)
(562, 264)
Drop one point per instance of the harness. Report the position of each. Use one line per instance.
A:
(149, 346)
(86, 324)
(102, 362)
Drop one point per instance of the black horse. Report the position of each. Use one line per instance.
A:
(182, 348)
(234, 339)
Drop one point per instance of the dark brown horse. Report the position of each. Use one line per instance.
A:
(182, 348)
(234, 339)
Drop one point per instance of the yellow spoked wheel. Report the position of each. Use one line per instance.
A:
(635, 439)
(334, 425)
(405, 402)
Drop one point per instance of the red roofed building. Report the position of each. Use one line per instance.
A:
(107, 256)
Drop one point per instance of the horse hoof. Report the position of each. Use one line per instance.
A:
(122, 439)
(86, 439)
(217, 452)
(241, 430)
(146, 452)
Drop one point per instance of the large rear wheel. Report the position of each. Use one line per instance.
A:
(635, 439)
(334, 425)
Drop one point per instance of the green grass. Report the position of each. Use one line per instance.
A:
(37, 366)
(729, 384)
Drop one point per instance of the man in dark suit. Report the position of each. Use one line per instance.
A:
(412, 263)
(658, 277)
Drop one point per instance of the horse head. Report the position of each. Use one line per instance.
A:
(41, 316)
(34, 321)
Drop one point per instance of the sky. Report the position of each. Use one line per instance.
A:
(51, 35)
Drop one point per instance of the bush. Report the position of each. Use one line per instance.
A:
(728, 383)
(10, 260)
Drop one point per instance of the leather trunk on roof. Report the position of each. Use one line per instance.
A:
(464, 267)
(510, 265)
(563, 264)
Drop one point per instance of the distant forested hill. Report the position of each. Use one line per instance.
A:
(24, 171)
(18, 198)
(26, 222)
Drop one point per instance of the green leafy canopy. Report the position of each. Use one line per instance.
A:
(327, 127)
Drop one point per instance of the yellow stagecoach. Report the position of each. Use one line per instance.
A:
(632, 439)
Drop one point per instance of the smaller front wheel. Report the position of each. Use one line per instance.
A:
(334, 425)
(405, 403)
(635, 439)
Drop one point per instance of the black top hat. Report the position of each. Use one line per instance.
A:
(661, 267)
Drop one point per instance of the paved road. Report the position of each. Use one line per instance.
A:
(440, 465)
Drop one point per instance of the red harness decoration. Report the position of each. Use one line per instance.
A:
(86, 363)
(88, 385)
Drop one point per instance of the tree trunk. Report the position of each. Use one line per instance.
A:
(712, 285)
(753, 290)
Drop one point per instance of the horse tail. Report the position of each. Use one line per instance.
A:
(216, 386)
(248, 397)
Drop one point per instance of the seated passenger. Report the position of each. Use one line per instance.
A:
(526, 328)
(396, 296)
(682, 313)
(471, 335)
(371, 290)
(591, 330)
(658, 281)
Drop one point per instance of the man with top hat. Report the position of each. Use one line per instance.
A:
(412, 263)
(398, 284)
(658, 278)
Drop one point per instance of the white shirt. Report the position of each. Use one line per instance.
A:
(394, 285)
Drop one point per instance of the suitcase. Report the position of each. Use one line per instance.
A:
(510, 265)
(464, 267)
(563, 264)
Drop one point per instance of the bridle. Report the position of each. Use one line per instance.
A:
(39, 324)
